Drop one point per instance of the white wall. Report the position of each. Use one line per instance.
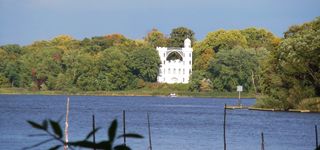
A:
(175, 71)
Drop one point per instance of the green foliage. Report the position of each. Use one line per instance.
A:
(257, 38)
(156, 39)
(205, 50)
(55, 134)
(233, 67)
(9, 64)
(178, 35)
(292, 72)
(110, 62)
(196, 79)
(310, 104)
(145, 68)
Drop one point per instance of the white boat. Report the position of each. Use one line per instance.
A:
(172, 95)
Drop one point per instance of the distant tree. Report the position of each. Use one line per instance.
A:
(9, 63)
(62, 39)
(292, 71)
(205, 50)
(115, 63)
(40, 64)
(156, 39)
(144, 63)
(258, 38)
(99, 43)
(79, 65)
(196, 80)
(178, 35)
(233, 67)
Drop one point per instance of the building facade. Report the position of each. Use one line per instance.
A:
(176, 63)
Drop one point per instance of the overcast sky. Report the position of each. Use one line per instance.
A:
(25, 21)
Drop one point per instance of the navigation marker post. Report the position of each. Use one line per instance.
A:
(239, 89)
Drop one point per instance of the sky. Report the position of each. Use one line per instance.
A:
(25, 21)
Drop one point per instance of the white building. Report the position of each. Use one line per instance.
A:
(176, 63)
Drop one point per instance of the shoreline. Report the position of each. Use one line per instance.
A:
(143, 92)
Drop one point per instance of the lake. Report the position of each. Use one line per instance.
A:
(176, 123)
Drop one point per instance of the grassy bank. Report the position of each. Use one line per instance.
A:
(138, 92)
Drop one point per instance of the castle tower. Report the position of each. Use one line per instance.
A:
(176, 63)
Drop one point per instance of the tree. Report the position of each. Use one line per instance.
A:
(178, 35)
(79, 65)
(205, 50)
(233, 67)
(115, 63)
(292, 71)
(258, 38)
(156, 39)
(39, 64)
(196, 80)
(144, 63)
(10, 66)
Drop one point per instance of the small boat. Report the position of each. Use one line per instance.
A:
(172, 95)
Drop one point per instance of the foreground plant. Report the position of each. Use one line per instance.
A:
(56, 134)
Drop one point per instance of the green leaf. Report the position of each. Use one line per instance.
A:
(45, 124)
(131, 135)
(91, 133)
(56, 128)
(55, 147)
(121, 147)
(36, 125)
(104, 145)
(84, 144)
(112, 130)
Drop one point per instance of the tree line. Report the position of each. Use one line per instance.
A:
(283, 71)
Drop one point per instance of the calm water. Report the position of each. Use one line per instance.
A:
(176, 123)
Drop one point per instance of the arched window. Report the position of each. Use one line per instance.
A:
(169, 71)
(174, 71)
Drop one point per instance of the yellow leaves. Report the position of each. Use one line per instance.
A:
(203, 60)
(276, 41)
(61, 39)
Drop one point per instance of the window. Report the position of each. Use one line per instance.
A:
(169, 71)
(164, 62)
(179, 71)
(189, 54)
(190, 62)
(174, 71)
(183, 71)
(182, 79)
(164, 54)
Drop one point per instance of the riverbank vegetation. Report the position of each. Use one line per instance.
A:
(283, 72)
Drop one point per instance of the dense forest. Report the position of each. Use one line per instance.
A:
(283, 72)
